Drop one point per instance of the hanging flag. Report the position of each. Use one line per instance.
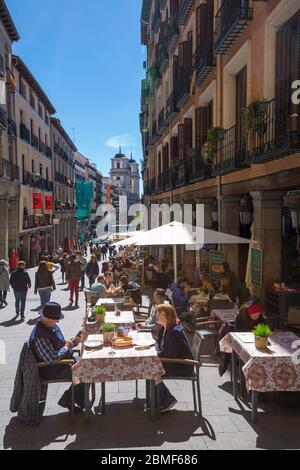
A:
(48, 203)
(37, 200)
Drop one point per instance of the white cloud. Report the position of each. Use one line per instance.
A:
(125, 140)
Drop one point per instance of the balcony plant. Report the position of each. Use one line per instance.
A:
(100, 312)
(108, 331)
(194, 153)
(261, 333)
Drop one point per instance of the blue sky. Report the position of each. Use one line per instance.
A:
(88, 58)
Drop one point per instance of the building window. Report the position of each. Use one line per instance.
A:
(32, 101)
(22, 89)
(40, 111)
(32, 166)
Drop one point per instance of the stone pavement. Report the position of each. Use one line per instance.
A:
(227, 424)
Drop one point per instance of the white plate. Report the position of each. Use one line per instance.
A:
(144, 342)
(91, 344)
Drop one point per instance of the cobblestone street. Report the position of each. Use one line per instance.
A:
(125, 424)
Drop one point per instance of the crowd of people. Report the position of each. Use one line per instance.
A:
(115, 277)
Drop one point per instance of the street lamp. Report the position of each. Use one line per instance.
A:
(246, 214)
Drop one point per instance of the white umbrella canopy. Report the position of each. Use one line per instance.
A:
(132, 240)
(177, 233)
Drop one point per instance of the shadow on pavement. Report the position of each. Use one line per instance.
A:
(128, 427)
(12, 322)
(70, 308)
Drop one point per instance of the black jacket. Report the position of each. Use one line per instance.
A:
(20, 281)
(174, 345)
(44, 278)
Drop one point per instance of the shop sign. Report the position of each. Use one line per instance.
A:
(256, 267)
(215, 262)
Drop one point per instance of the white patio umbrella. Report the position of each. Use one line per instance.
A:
(177, 233)
(131, 240)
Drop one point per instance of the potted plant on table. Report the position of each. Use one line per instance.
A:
(100, 312)
(108, 331)
(261, 333)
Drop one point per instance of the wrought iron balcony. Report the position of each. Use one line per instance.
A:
(12, 128)
(153, 136)
(231, 20)
(185, 7)
(156, 17)
(3, 118)
(181, 177)
(199, 170)
(273, 134)
(161, 122)
(34, 141)
(24, 133)
(42, 147)
(48, 152)
(172, 33)
(33, 221)
(171, 109)
(10, 170)
(203, 62)
(232, 152)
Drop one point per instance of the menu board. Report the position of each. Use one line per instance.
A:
(256, 267)
(216, 260)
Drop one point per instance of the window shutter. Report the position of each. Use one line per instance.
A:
(283, 67)
(174, 148)
(181, 143)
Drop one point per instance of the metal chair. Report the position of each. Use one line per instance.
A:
(91, 298)
(197, 349)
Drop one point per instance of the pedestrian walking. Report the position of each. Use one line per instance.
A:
(4, 282)
(104, 252)
(63, 266)
(73, 277)
(20, 282)
(92, 270)
(44, 283)
(13, 260)
(83, 268)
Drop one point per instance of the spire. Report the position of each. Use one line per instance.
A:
(120, 150)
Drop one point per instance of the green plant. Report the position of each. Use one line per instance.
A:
(262, 331)
(108, 328)
(214, 135)
(100, 310)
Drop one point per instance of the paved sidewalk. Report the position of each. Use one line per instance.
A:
(125, 425)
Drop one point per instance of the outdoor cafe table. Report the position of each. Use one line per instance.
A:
(126, 318)
(275, 369)
(114, 365)
(224, 316)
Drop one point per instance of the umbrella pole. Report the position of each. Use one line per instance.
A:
(175, 262)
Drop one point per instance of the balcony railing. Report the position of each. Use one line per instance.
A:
(153, 136)
(161, 121)
(172, 33)
(181, 177)
(12, 128)
(156, 17)
(24, 133)
(199, 170)
(232, 151)
(48, 152)
(34, 141)
(171, 109)
(185, 7)
(33, 221)
(274, 133)
(10, 170)
(42, 147)
(37, 182)
(3, 123)
(203, 61)
(231, 20)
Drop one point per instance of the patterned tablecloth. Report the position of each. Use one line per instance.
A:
(224, 315)
(274, 369)
(112, 365)
(126, 318)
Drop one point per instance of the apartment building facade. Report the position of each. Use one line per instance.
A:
(33, 113)
(64, 217)
(9, 169)
(218, 123)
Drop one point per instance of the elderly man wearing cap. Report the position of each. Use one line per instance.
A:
(49, 345)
